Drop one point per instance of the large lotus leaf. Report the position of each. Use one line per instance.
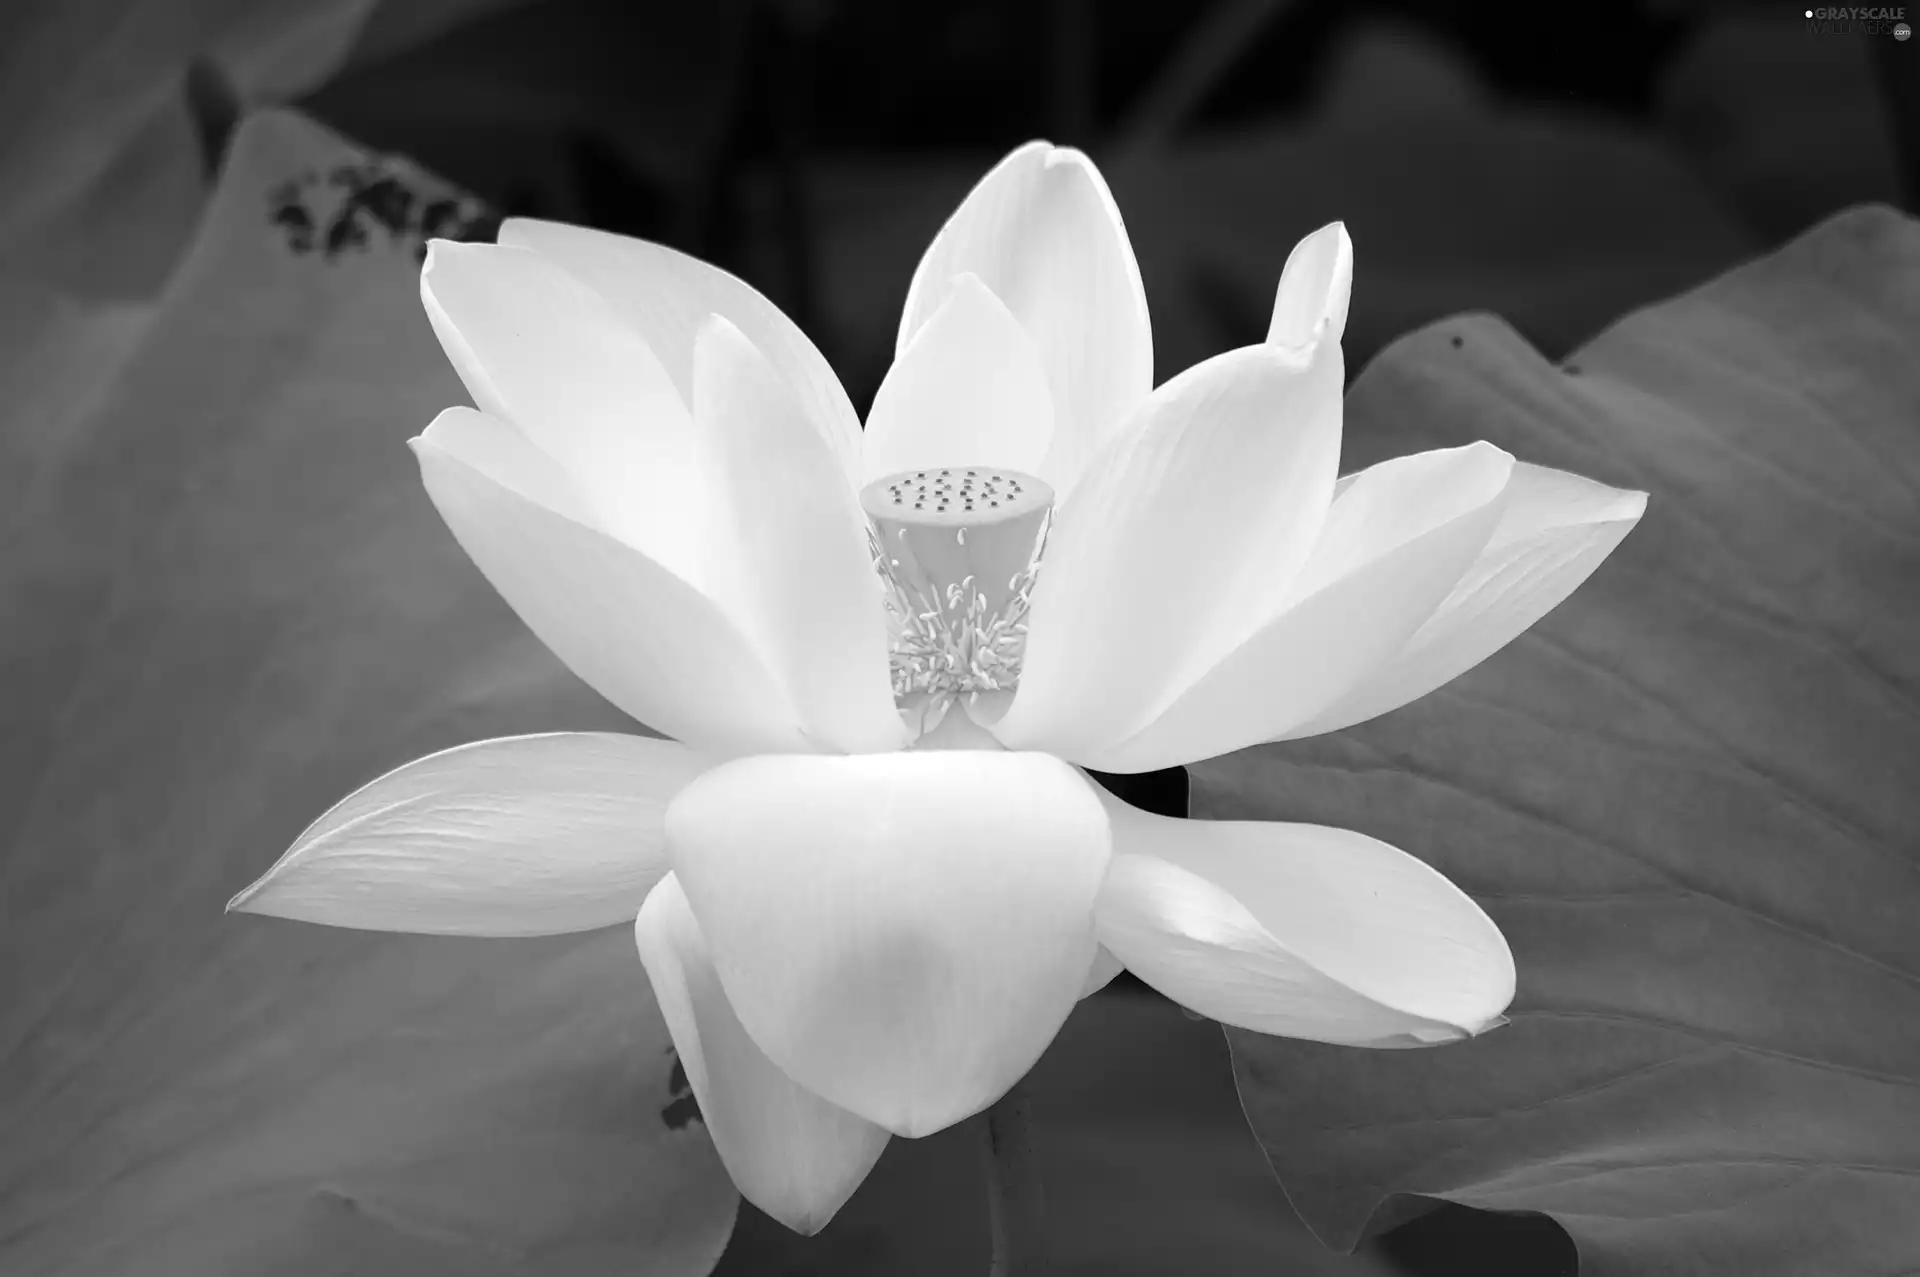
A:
(226, 601)
(1688, 797)
(100, 154)
(58, 355)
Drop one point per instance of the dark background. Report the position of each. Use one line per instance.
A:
(1558, 164)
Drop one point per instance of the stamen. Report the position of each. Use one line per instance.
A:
(955, 632)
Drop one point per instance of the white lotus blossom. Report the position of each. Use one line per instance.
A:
(869, 880)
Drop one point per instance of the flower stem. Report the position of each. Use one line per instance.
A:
(1016, 1206)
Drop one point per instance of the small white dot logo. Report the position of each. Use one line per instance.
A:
(1901, 31)
(1809, 13)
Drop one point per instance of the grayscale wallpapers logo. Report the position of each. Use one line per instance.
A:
(1859, 20)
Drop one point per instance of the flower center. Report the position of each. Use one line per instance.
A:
(957, 549)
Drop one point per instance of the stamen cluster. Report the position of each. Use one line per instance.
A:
(945, 648)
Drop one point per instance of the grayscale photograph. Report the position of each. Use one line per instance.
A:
(987, 638)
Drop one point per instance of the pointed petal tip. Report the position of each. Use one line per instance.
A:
(439, 251)
(1623, 510)
(257, 897)
(964, 289)
(1555, 529)
(517, 836)
(1332, 235)
(1302, 931)
(512, 228)
(1311, 302)
(969, 387)
(719, 347)
(1497, 462)
(1105, 969)
(970, 281)
(717, 325)
(1439, 1035)
(1046, 209)
(805, 1223)
(917, 1121)
(1448, 1034)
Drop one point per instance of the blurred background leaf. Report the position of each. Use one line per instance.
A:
(1686, 797)
(226, 605)
(112, 115)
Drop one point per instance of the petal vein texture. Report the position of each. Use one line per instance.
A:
(631, 629)
(1182, 535)
(1302, 931)
(520, 836)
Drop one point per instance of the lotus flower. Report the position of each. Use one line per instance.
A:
(869, 881)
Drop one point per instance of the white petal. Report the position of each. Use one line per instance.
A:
(967, 390)
(495, 448)
(1555, 530)
(1301, 930)
(666, 296)
(1183, 536)
(902, 933)
(1395, 541)
(635, 632)
(802, 586)
(790, 1153)
(545, 353)
(522, 836)
(1311, 303)
(1105, 967)
(1042, 231)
